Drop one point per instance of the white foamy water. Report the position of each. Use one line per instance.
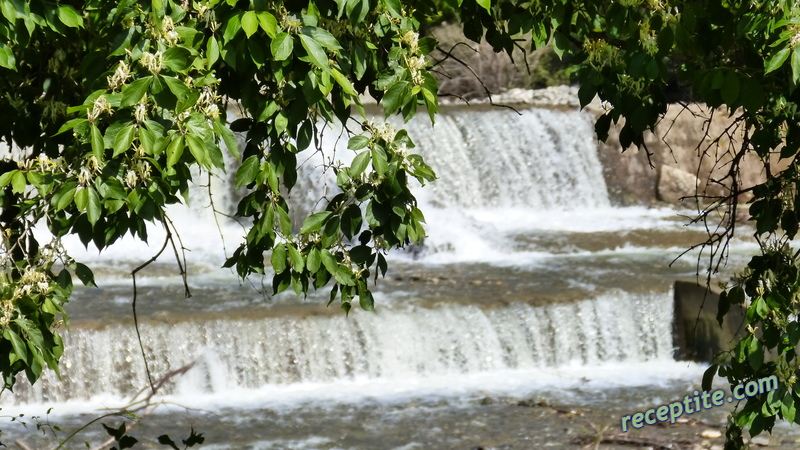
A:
(502, 177)
(404, 346)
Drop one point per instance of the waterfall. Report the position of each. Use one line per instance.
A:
(543, 159)
(491, 164)
(501, 175)
(414, 344)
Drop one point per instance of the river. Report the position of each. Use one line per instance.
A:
(531, 289)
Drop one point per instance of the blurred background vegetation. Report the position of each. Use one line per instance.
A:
(529, 68)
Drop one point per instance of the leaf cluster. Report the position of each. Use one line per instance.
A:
(116, 103)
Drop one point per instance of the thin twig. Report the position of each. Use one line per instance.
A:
(214, 212)
(181, 266)
(450, 55)
(135, 317)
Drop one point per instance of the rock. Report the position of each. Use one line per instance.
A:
(674, 184)
(761, 441)
(711, 434)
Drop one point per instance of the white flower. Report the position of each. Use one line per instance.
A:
(211, 111)
(120, 76)
(152, 61)
(32, 281)
(131, 179)
(99, 107)
(795, 40)
(84, 176)
(415, 65)
(93, 164)
(384, 131)
(171, 38)
(140, 113)
(412, 39)
(143, 170)
(402, 151)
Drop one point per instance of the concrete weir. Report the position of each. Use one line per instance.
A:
(696, 333)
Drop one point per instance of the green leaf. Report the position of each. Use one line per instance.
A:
(755, 355)
(232, 27)
(199, 150)
(486, 4)
(281, 121)
(359, 164)
(322, 36)
(357, 10)
(351, 221)
(127, 442)
(7, 58)
(84, 274)
(212, 51)
(788, 408)
(281, 46)
(394, 8)
(298, 264)
(70, 125)
(165, 440)
(247, 172)
(175, 150)
(776, 61)
(178, 59)
(731, 88)
(82, 198)
(342, 81)
(796, 64)
(123, 140)
(329, 261)
(366, 300)
(93, 208)
(396, 96)
(278, 258)
(98, 145)
(177, 87)
(285, 220)
(379, 161)
(315, 52)
(65, 195)
(305, 135)
(5, 178)
(69, 17)
(560, 44)
(268, 23)
(314, 260)
(249, 23)
(20, 349)
(314, 222)
(357, 142)
(708, 377)
(18, 182)
(132, 93)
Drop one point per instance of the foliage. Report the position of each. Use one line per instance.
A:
(466, 70)
(113, 103)
(743, 56)
(110, 104)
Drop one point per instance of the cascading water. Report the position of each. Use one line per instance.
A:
(231, 354)
(542, 160)
(507, 183)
